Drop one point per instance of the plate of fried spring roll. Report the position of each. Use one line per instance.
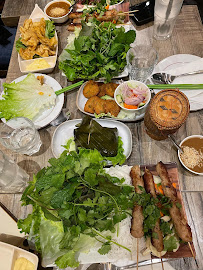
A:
(159, 213)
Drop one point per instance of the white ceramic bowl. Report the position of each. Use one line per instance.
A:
(58, 19)
(132, 83)
(187, 138)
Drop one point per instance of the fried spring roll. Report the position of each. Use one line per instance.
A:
(167, 186)
(137, 219)
(157, 241)
(182, 228)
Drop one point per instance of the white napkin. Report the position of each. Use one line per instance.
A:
(195, 96)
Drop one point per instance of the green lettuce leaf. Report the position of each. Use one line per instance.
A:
(26, 98)
(120, 158)
(49, 29)
(19, 45)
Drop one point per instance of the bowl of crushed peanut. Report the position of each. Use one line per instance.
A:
(192, 156)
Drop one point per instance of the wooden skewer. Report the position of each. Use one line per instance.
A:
(137, 252)
(124, 14)
(193, 255)
(162, 264)
(128, 12)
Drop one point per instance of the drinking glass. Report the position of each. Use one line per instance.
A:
(13, 179)
(165, 15)
(20, 135)
(141, 60)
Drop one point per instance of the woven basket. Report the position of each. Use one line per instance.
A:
(166, 113)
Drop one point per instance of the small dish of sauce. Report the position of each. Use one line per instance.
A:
(58, 9)
(192, 156)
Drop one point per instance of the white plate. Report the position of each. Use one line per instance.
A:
(170, 64)
(65, 131)
(9, 254)
(51, 113)
(175, 61)
(81, 100)
(36, 15)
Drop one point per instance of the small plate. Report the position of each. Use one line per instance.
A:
(9, 254)
(65, 131)
(177, 61)
(50, 113)
(131, 117)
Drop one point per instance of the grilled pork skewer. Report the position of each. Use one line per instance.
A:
(72, 27)
(149, 187)
(137, 219)
(182, 228)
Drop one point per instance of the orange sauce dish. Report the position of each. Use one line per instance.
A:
(58, 9)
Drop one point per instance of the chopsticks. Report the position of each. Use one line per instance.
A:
(175, 86)
(68, 88)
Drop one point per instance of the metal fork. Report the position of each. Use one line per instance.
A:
(165, 78)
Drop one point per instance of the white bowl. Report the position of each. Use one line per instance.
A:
(187, 138)
(61, 19)
(134, 83)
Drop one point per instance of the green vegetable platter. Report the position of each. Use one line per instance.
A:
(50, 32)
(26, 97)
(64, 137)
(82, 212)
(97, 51)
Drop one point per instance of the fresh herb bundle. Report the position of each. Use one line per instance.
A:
(99, 52)
(74, 204)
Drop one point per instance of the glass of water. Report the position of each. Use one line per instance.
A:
(141, 60)
(13, 179)
(165, 15)
(20, 135)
